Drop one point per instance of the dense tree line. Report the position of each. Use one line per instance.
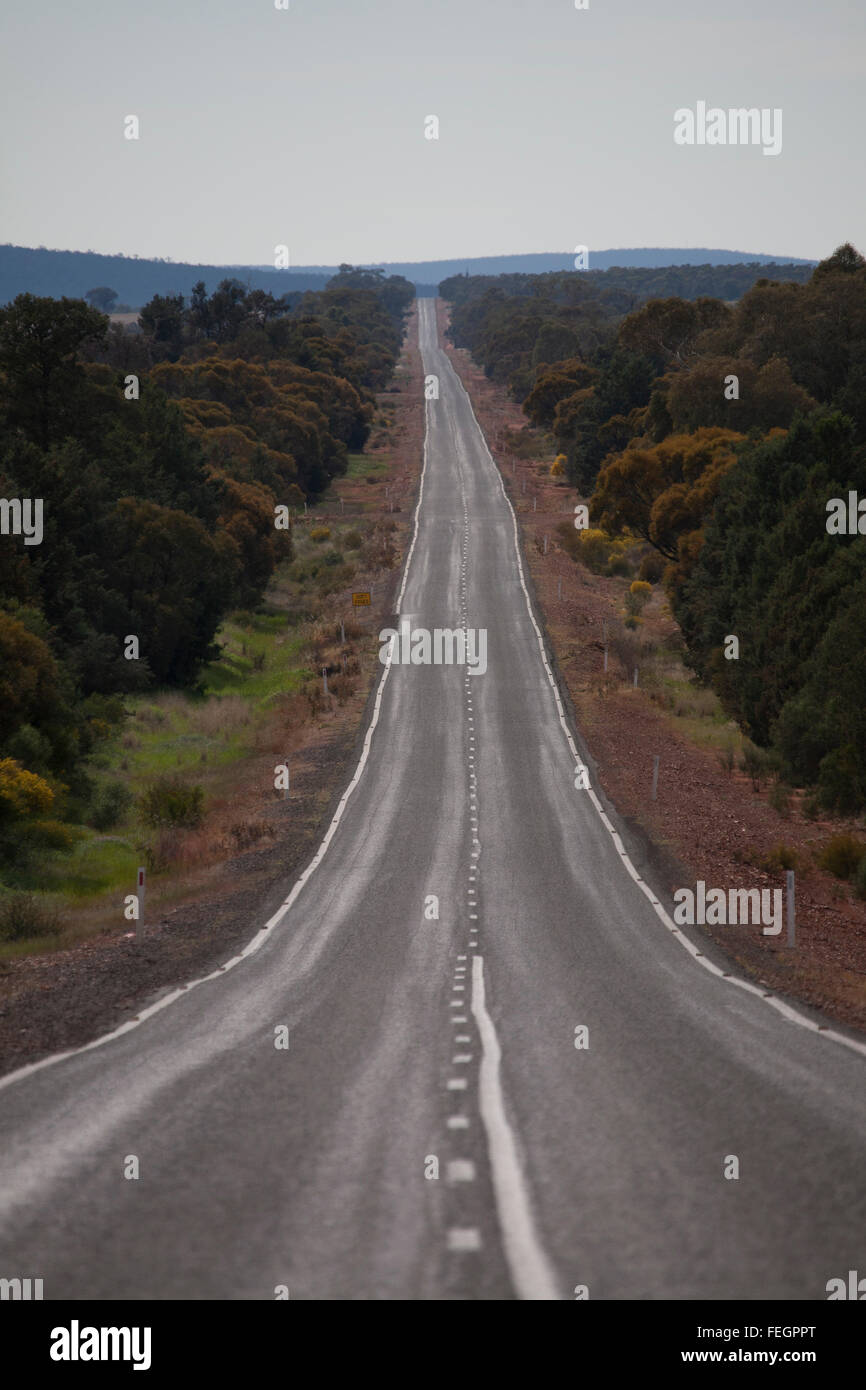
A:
(159, 461)
(718, 433)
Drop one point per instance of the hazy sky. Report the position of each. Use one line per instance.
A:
(306, 127)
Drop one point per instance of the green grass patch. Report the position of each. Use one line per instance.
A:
(360, 465)
(100, 865)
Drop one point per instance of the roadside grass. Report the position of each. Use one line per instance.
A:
(199, 736)
(690, 708)
(363, 466)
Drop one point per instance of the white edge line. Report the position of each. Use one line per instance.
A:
(264, 932)
(793, 1015)
(531, 1271)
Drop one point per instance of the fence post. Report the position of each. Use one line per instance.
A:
(789, 880)
(655, 776)
(140, 886)
(325, 679)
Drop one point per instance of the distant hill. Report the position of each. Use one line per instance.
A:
(73, 273)
(430, 273)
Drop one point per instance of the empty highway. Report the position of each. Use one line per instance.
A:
(432, 1131)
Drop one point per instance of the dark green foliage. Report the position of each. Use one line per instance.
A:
(796, 597)
(158, 513)
(614, 376)
(110, 804)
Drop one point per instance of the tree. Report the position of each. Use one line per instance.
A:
(162, 321)
(40, 343)
(175, 580)
(664, 491)
(102, 298)
(29, 681)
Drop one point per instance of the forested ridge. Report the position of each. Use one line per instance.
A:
(717, 435)
(161, 460)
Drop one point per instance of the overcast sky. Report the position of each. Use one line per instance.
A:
(260, 127)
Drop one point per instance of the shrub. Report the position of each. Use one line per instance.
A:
(840, 782)
(779, 858)
(52, 834)
(353, 540)
(652, 567)
(638, 593)
(860, 878)
(780, 799)
(30, 748)
(22, 793)
(618, 565)
(841, 856)
(342, 686)
(592, 549)
(320, 533)
(756, 762)
(161, 852)
(110, 804)
(726, 758)
(171, 801)
(245, 834)
(26, 915)
(557, 468)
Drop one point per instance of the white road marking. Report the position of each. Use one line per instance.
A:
(457, 1122)
(264, 932)
(793, 1015)
(460, 1170)
(457, 1083)
(530, 1269)
(464, 1238)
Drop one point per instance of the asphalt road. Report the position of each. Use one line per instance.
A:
(416, 1041)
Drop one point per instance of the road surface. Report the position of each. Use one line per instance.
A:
(418, 1043)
